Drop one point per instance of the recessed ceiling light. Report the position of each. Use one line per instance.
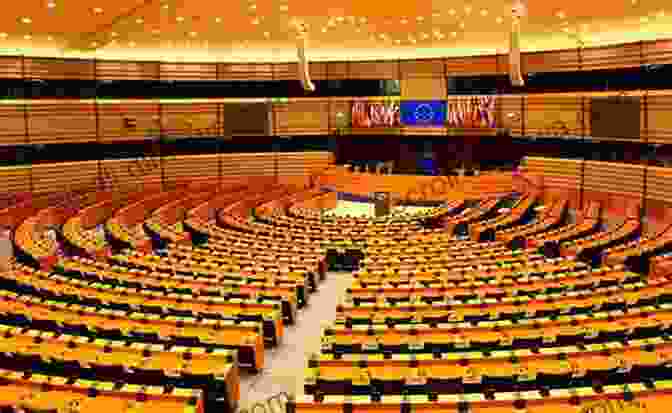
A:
(404, 21)
(267, 34)
(358, 30)
(419, 18)
(284, 7)
(114, 34)
(50, 38)
(26, 20)
(484, 12)
(165, 6)
(424, 35)
(397, 41)
(324, 30)
(454, 34)
(331, 23)
(499, 20)
(340, 19)
(560, 14)
(634, 1)
(27, 37)
(253, 6)
(565, 29)
(155, 31)
(193, 34)
(585, 26)
(97, 10)
(94, 44)
(362, 19)
(179, 18)
(382, 35)
(51, 4)
(218, 19)
(412, 40)
(131, 44)
(467, 9)
(661, 13)
(452, 12)
(3, 35)
(255, 21)
(436, 15)
(139, 21)
(461, 25)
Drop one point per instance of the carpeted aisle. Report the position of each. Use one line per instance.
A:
(285, 365)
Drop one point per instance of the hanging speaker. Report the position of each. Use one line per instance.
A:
(304, 75)
(515, 75)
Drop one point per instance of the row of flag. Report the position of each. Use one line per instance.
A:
(471, 112)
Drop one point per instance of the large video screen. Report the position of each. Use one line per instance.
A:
(471, 112)
(423, 113)
(247, 119)
(375, 114)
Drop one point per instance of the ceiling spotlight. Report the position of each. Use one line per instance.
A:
(585, 26)
(51, 4)
(284, 7)
(267, 34)
(565, 29)
(397, 41)
(179, 18)
(94, 44)
(404, 21)
(340, 19)
(114, 34)
(634, 2)
(412, 41)
(661, 13)
(419, 18)
(436, 15)
(131, 44)
(382, 35)
(331, 23)
(454, 34)
(560, 14)
(499, 20)
(165, 6)
(27, 37)
(461, 25)
(358, 30)
(324, 30)
(424, 35)
(467, 9)
(362, 19)
(97, 10)
(484, 12)
(253, 6)
(193, 34)
(50, 38)
(26, 20)
(155, 31)
(218, 19)
(255, 21)
(139, 21)
(3, 35)
(452, 12)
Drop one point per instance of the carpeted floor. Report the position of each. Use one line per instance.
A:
(285, 365)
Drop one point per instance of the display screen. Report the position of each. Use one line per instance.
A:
(423, 113)
(375, 114)
(471, 112)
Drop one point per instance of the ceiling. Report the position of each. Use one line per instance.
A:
(259, 30)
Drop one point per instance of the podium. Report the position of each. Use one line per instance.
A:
(382, 202)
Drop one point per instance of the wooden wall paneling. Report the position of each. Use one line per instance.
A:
(286, 71)
(188, 71)
(337, 70)
(429, 88)
(54, 68)
(190, 168)
(553, 61)
(13, 130)
(114, 118)
(10, 67)
(384, 69)
(13, 180)
(188, 119)
(128, 176)
(471, 65)
(553, 115)
(121, 70)
(512, 116)
(503, 64)
(659, 184)
(611, 57)
(303, 163)
(245, 71)
(64, 176)
(659, 121)
(69, 121)
(657, 52)
(248, 164)
(302, 117)
(428, 68)
(318, 70)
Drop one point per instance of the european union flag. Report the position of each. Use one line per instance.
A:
(423, 113)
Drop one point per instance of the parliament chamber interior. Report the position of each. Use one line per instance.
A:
(297, 207)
